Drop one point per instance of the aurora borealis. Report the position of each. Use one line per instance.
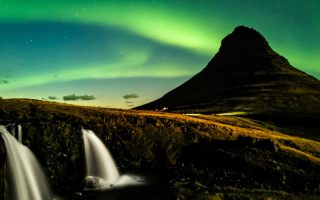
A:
(112, 48)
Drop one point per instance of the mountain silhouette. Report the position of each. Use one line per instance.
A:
(245, 76)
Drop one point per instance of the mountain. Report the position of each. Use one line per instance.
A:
(246, 76)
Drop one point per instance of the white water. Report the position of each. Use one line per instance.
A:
(100, 164)
(25, 179)
(20, 133)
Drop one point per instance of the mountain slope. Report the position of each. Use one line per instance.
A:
(245, 76)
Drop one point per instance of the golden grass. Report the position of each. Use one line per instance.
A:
(219, 127)
(300, 153)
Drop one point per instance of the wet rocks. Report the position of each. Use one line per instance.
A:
(93, 182)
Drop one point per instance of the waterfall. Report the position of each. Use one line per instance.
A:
(20, 133)
(25, 179)
(101, 169)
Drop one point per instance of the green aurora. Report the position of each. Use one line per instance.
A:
(112, 48)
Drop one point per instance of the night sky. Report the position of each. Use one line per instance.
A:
(126, 53)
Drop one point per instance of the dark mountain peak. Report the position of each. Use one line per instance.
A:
(245, 51)
(244, 40)
(245, 76)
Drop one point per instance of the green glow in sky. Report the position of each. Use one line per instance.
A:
(168, 25)
(64, 41)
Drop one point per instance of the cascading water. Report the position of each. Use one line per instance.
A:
(25, 179)
(102, 171)
(99, 162)
(20, 133)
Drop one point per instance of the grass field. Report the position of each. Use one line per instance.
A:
(203, 154)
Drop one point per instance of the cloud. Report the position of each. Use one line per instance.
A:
(130, 96)
(74, 97)
(2, 81)
(127, 98)
(52, 98)
(71, 97)
(87, 97)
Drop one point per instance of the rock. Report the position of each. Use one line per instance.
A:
(93, 182)
(266, 144)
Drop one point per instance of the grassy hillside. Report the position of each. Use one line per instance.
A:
(204, 156)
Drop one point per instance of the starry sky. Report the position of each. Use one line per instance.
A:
(124, 53)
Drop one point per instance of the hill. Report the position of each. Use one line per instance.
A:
(247, 77)
(203, 156)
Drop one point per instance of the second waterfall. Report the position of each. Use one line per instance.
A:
(101, 169)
